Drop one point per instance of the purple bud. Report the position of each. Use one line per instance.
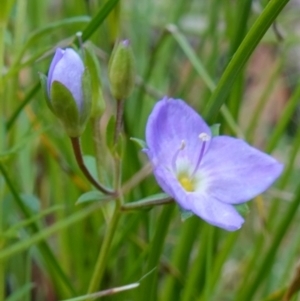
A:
(67, 68)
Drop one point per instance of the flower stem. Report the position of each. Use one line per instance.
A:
(99, 147)
(2, 244)
(143, 205)
(102, 259)
(119, 119)
(78, 155)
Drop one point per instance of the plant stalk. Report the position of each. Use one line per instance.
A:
(78, 155)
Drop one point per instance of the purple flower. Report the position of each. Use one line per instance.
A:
(67, 68)
(204, 174)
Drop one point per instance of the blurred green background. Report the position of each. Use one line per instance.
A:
(241, 54)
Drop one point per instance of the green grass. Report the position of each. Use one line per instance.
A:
(233, 64)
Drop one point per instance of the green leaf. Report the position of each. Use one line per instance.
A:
(148, 202)
(141, 143)
(43, 79)
(215, 129)
(92, 64)
(242, 209)
(21, 293)
(91, 164)
(7, 154)
(48, 29)
(185, 214)
(241, 56)
(13, 231)
(86, 109)
(31, 201)
(98, 19)
(195, 61)
(154, 197)
(91, 196)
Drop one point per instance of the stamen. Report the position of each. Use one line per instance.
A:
(203, 137)
(174, 159)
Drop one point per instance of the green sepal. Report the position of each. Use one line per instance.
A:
(242, 209)
(141, 143)
(121, 71)
(113, 54)
(185, 214)
(86, 108)
(44, 79)
(65, 108)
(215, 129)
(92, 64)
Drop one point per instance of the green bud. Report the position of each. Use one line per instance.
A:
(121, 71)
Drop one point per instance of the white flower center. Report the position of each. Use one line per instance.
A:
(188, 180)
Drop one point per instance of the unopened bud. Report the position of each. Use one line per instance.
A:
(121, 70)
(67, 90)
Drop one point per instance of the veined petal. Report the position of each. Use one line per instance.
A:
(57, 56)
(216, 213)
(235, 172)
(68, 71)
(171, 122)
(170, 185)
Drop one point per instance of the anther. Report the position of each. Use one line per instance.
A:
(205, 138)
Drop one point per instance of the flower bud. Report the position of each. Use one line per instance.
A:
(121, 71)
(67, 90)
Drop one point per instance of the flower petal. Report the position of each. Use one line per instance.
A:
(235, 172)
(216, 213)
(208, 208)
(171, 122)
(170, 185)
(57, 56)
(68, 71)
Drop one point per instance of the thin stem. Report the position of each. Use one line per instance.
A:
(28, 97)
(119, 119)
(108, 292)
(102, 259)
(2, 242)
(78, 155)
(103, 255)
(143, 205)
(137, 178)
(2, 33)
(99, 148)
